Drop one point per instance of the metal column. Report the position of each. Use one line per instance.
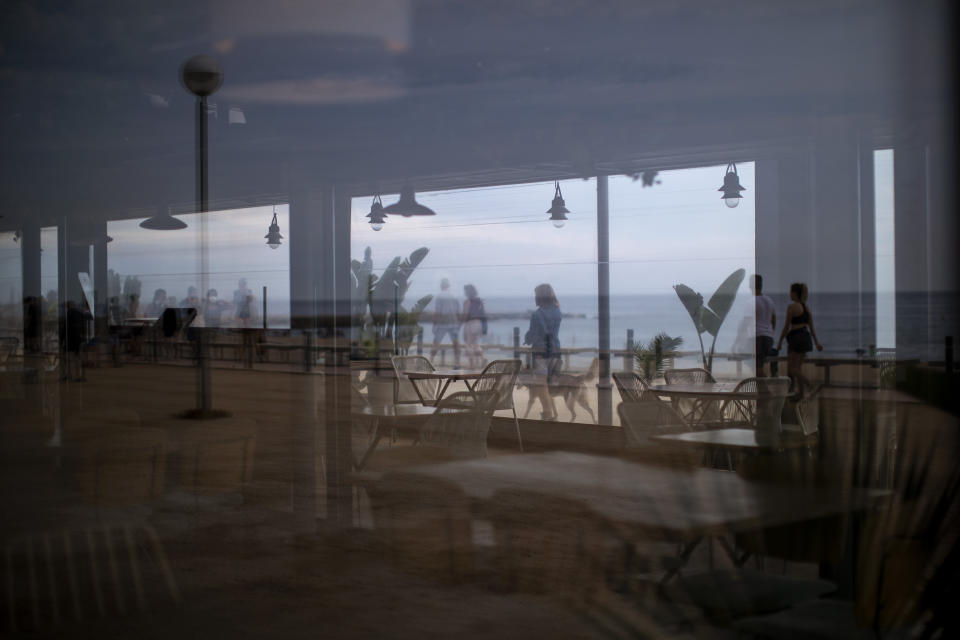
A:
(604, 392)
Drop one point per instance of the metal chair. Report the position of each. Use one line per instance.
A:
(765, 410)
(499, 379)
(641, 420)
(632, 387)
(406, 390)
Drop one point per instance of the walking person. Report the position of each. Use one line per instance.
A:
(766, 318)
(800, 335)
(544, 338)
(446, 321)
(474, 326)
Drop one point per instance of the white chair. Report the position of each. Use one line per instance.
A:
(406, 390)
(499, 379)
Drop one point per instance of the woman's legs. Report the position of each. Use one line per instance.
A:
(795, 371)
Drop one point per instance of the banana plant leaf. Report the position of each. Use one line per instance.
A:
(722, 299)
(693, 303)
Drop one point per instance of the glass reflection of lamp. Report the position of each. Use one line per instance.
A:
(273, 233)
(731, 187)
(163, 221)
(558, 209)
(408, 206)
(377, 217)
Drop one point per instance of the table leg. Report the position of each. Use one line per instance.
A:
(685, 554)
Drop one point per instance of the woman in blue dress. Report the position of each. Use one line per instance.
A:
(544, 338)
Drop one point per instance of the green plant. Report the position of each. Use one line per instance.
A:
(708, 318)
(652, 358)
(377, 301)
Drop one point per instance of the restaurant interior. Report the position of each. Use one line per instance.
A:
(228, 410)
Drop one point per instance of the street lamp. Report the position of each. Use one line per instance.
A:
(201, 75)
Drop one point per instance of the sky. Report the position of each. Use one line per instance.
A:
(500, 239)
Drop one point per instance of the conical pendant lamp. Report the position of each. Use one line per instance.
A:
(163, 221)
(408, 206)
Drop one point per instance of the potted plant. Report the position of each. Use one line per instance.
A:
(656, 355)
(707, 318)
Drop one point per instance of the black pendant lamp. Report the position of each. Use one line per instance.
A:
(377, 217)
(408, 206)
(163, 221)
(273, 233)
(731, 187)
(558, 209)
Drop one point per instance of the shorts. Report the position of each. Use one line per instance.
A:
(546, 366)
(799, 341)
(441, 330)
(764, 349)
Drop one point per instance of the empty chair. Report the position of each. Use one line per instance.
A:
(632, 387)
(406, 390)
(498, 382)
(693, 409)
(460, 425)
(424, 524)
(641, 420)
(765, 410)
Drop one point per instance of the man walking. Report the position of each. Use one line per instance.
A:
(446, 321)
(766, 321)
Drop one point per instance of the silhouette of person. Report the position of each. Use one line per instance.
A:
(544, 338)
(474, 318)
(240, 304)
(766, 318)
(800, 335)
(446, 321)
(159, 303)
(76, 337)
(193, 298)
(212, 309)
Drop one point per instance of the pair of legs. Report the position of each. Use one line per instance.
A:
(542, 368)
(764, 347)
(472, 330)
(795, 361)
(441, 331)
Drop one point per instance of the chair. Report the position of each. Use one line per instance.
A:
(460, 425)
(408, 392)
(632, 387)
(693, 409)
(640, 420)
(425, 525)
(499, 379)
(764, 412)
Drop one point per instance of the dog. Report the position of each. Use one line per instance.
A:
(573, 389)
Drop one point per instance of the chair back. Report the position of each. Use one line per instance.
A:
(772, 393)
(424, 524)
(632, 387)
(641, 420)
(696, 375)
(460, 424)
(404, 391)
(497, 382)
(741, 410)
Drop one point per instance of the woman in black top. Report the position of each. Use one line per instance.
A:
(800, 335)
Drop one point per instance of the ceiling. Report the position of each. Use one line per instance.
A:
(371, 93)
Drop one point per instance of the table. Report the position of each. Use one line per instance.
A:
(387, 417)
(448, 375)
(704, 396)
(830, 361)
(739, 440)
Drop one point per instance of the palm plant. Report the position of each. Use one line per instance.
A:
(377, 301)
(707, 318)
(652, 358)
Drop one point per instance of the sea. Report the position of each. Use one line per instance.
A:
(845, 323)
